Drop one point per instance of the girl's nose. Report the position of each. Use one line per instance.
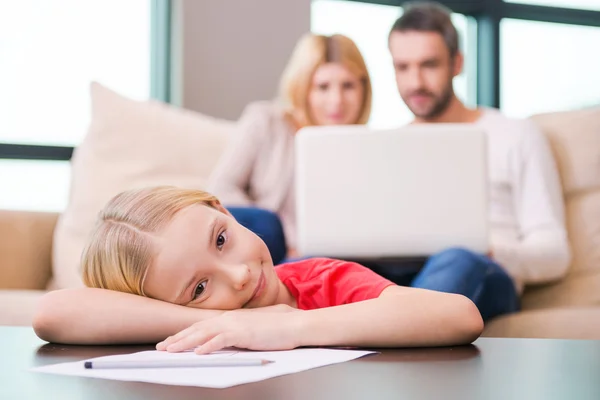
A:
(239, 275)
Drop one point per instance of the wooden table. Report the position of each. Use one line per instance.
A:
(490, 369)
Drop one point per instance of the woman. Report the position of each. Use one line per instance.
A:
(326, 82)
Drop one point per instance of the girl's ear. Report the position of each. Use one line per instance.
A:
(218, 206)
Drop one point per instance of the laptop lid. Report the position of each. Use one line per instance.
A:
(411, 191)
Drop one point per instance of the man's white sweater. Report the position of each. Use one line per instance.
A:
(528, 235)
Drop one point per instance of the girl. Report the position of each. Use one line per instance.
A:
(171, 265)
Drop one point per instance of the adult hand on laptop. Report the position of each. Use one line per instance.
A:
(292, 253)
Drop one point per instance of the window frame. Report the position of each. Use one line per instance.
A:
(487, 13)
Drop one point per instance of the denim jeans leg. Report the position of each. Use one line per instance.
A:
(472, 275)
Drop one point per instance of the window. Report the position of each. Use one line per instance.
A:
(370, 35)
(34, 185)
(581, 4)
(51, 50)
(547, 67)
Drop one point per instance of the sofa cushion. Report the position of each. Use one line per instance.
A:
(576, 290)
(559, 323)
(25, 247)
(583, 224)
(575, 140)
(18, 306)
(581, 287)
(130, 144)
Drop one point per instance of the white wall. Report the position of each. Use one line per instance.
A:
(228, 53)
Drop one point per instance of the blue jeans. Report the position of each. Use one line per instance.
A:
(460, 271)
(454, 270)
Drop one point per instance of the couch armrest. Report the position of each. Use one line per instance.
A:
(25, 249)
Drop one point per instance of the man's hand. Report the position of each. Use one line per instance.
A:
(269, 328)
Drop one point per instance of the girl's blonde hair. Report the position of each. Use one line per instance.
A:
(310, 53)
(120, 249)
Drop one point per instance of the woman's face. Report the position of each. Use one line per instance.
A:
(336, 96)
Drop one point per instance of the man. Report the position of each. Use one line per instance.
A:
(528, 237)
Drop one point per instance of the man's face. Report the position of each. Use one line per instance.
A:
(424, 71)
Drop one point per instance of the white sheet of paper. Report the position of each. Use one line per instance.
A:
(286, 362)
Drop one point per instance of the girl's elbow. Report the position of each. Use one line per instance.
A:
(46, 321)
(43, 324)
(472, 324)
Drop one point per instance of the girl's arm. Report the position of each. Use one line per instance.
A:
(399, 317)
(99, 316)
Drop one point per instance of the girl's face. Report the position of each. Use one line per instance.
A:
(336, 95)
(206, 259)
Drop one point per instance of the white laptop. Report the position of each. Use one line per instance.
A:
(377, 194)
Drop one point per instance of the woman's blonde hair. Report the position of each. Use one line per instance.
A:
(310, 53)
(120, 249)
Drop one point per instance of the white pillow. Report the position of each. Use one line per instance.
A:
(130, 144)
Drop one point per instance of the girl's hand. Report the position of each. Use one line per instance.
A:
(273, 329)
(279, 308)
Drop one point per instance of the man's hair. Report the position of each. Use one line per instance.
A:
(428, 17)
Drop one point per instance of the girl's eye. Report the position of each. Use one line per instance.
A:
(221, 240)
(200, 289)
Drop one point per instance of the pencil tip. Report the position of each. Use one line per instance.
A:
(267, 362)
